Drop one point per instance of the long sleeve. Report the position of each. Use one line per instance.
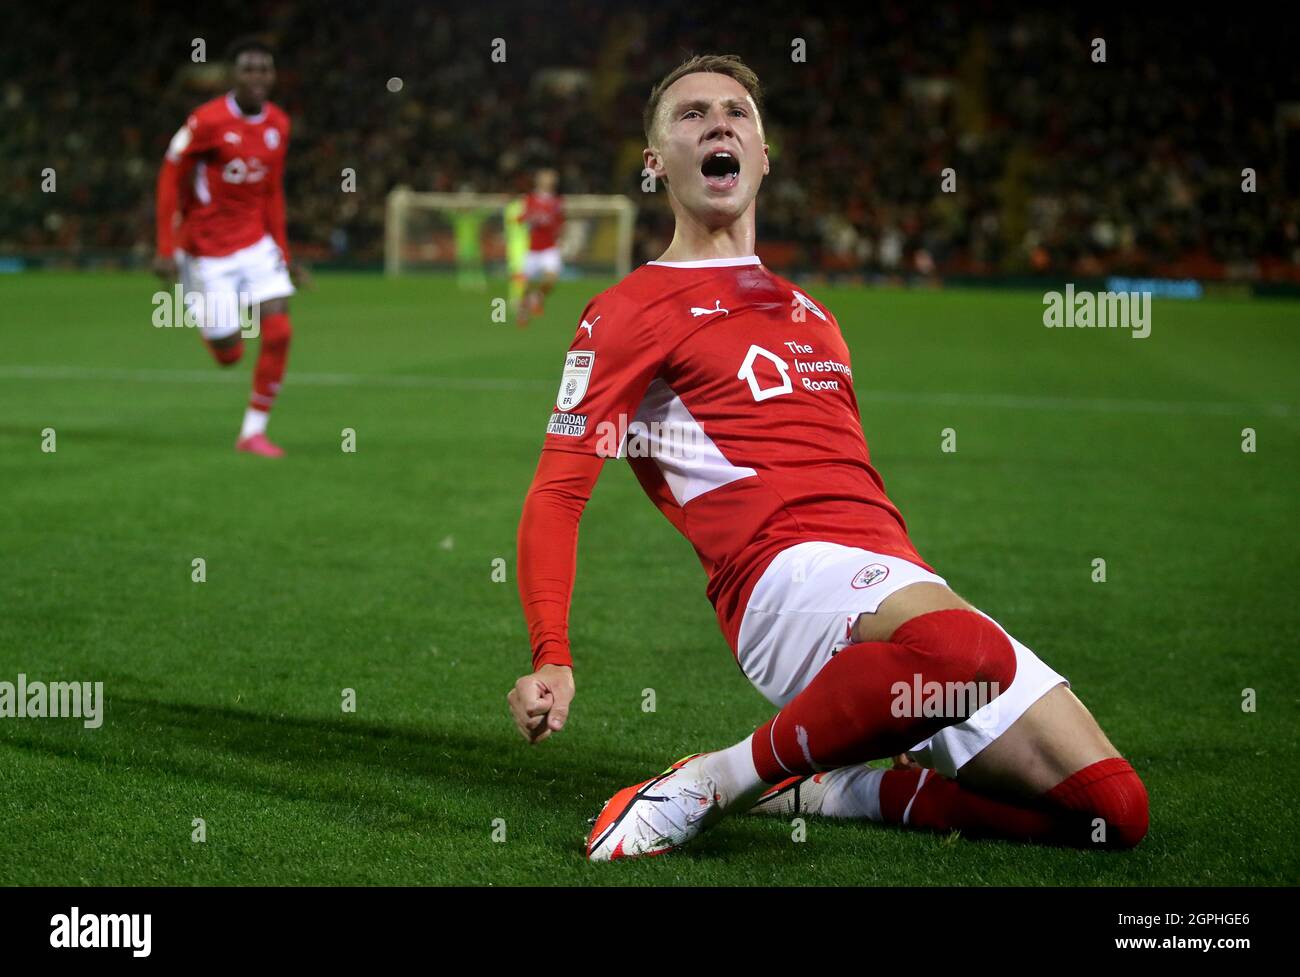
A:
(276, 222)
(607, 371)
(167, 200)
(548, 549)
(191, 141)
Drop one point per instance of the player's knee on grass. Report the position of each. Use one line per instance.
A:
(1130, 823)
(961, 646)
(1112, 798)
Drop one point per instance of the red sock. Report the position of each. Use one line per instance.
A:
(227, 355)
(1109, 790)
(923, 799)
(271, 359)
(1112, 797)
(845, 713)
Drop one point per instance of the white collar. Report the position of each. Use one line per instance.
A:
(238, 113)
(709, 263)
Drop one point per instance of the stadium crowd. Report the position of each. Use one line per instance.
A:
(1061, 163)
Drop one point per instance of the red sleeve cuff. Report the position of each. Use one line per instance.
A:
(552, 653)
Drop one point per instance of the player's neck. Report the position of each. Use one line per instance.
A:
(695, 241)
(246, 106)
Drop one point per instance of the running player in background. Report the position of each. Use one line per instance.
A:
(221, 229)
(730, 391)
(544, 214)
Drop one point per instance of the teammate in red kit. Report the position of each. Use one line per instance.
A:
(544, 214)
(221, 229)
(730, 391)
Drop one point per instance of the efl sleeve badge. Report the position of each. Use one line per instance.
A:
(577, 374)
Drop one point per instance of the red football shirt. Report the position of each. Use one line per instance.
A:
(544, 215)
(730, 392)
(224, 172)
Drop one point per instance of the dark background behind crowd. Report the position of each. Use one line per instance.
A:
(1062, 164)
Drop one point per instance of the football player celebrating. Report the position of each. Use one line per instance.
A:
(543, 213)
(736, 386)
(221, 229)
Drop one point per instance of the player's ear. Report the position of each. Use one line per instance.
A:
(767, 163)
(654, 164)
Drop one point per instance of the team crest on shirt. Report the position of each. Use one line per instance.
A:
(808, 304)
(271, 138)
(870, 575)
(577, 374)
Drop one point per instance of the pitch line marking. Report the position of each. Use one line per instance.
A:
(1003, 401)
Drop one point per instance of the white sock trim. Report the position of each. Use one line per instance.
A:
(254, 423)
(907, 811)
(852, 792)
(771, 736)
(734, 771)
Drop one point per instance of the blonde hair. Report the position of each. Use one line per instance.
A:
(722, 64)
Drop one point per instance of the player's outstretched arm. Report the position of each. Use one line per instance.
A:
(547, 565)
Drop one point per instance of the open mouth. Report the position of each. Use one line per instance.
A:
(721, 170)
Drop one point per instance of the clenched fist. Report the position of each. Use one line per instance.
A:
(539, 702)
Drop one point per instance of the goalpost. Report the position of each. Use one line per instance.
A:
(466, 232)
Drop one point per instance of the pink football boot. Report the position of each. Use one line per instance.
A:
(259, 445)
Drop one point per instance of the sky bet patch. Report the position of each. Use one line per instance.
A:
(573, 384)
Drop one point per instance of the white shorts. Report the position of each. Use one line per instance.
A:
(222, 293)
(542, 263)
(801, 613)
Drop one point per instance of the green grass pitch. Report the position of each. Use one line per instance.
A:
(373, 571)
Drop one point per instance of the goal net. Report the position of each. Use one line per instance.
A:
(466, 233)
